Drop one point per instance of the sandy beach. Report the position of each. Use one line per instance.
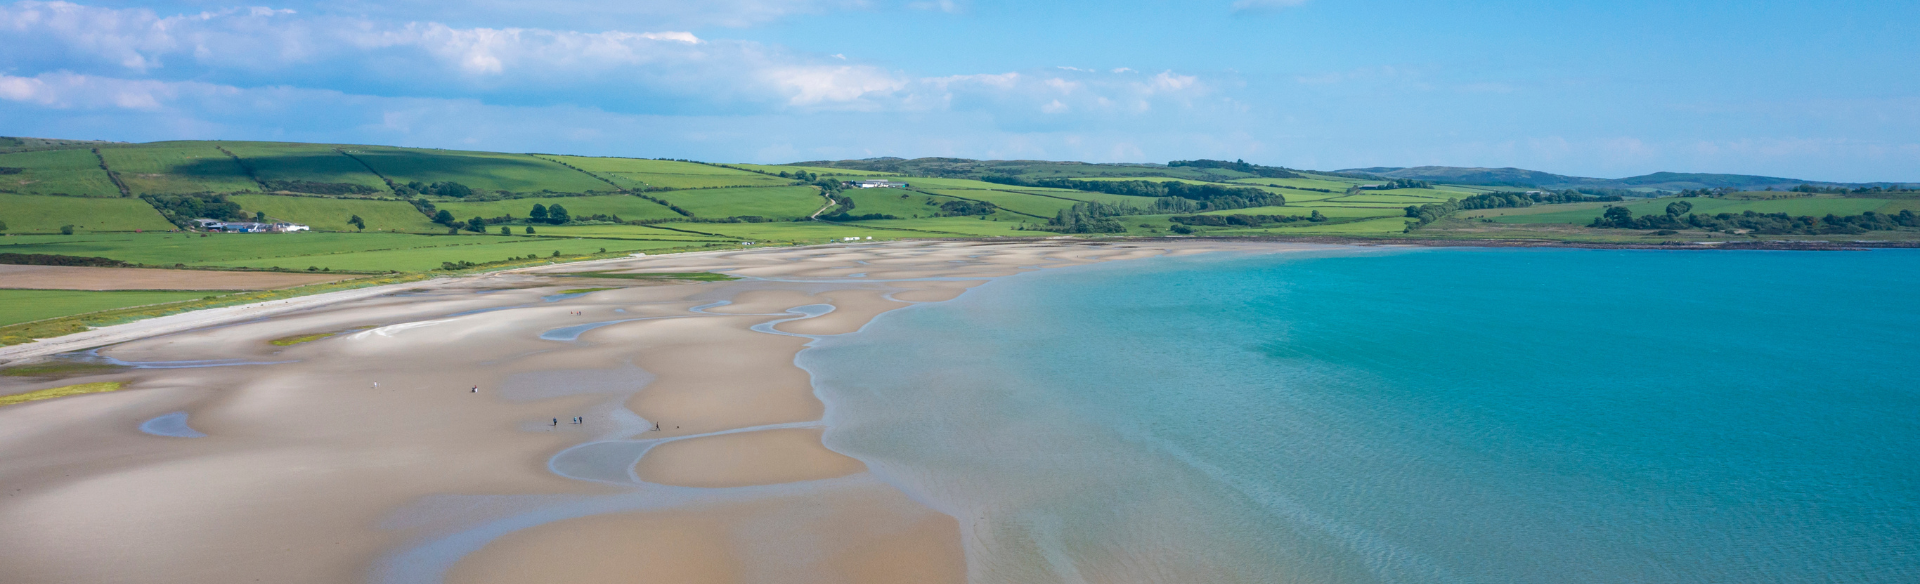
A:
(369, 455)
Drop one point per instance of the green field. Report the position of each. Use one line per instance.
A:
(482, 171)
(820, 170)
(45, 214)
(18, 306)
(801, 232)
(177, 167)
(272, 161)
(627, 207)
(1305, 211)
(330, 214)
(474, 249)
(1584, 213)
(1381, 226)
(640, 173)
(770, 202)
(953, 226)
(62, 172)
(616, 232)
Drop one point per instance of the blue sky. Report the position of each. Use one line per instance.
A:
(1805, 90)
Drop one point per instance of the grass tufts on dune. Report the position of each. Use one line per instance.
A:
(63, 391)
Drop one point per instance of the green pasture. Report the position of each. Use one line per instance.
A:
(68, 172)
(614, 232)
(896, 202)
(961, 183)
(771, 202)
(1586, 212)
(1381, 226)
(177, 167)
(627, 207)
(1895, 206)
(274, 161)
(45, 214)
(476, 249)
(167, 249)
(1024, 206)
(1307, 211)
(18, 306)
(331, 214)
(640, 173)
(1315, 182)
(795, 231)
(485, 171)
(950, 227)
(820, 170)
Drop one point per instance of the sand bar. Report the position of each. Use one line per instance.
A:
(368, 455)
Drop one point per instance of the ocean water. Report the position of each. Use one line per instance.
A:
(1429, 415)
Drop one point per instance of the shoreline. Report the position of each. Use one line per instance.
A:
(300, 435)
(129, 331)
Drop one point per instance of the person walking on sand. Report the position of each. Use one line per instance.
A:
(556, 422)
(476, 389)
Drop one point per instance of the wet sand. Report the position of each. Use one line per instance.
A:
(310, 472)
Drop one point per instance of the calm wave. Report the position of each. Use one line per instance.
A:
(1436, 415)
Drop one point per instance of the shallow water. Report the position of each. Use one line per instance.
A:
(172, 425)
(1435, 415)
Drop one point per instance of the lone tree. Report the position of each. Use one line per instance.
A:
(538, 214)
(444, 217)
(504, 230)
(477, 225)
(529, 230)
(557, 215)
(357, 222)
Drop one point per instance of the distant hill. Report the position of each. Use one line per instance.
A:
(1520, 177)
(22, 144)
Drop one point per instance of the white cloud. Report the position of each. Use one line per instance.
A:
(69, 91)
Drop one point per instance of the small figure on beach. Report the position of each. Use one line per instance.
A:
(476, 389)
(556, 422)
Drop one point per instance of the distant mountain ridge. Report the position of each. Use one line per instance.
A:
(1520, 177)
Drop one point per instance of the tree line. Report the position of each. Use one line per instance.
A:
(1761, 223)
(1246, 220)
(1217, 196)
(1237, 165)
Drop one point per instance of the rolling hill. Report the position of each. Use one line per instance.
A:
(1520, 177)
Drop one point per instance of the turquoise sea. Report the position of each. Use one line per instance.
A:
(1425, 415)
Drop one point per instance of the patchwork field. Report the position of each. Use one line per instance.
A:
(305, 162)
(770, 202)
(80, 278)
(64, 172)
(18, 306)
(488, 171)
(329, 214)
(167, 249)
(45, 214)
(476, 250)
(820, 170)
(799, 232)
(627, 207)
(640, 174)
(1585, 213)
(177, 167)
(619, 232)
